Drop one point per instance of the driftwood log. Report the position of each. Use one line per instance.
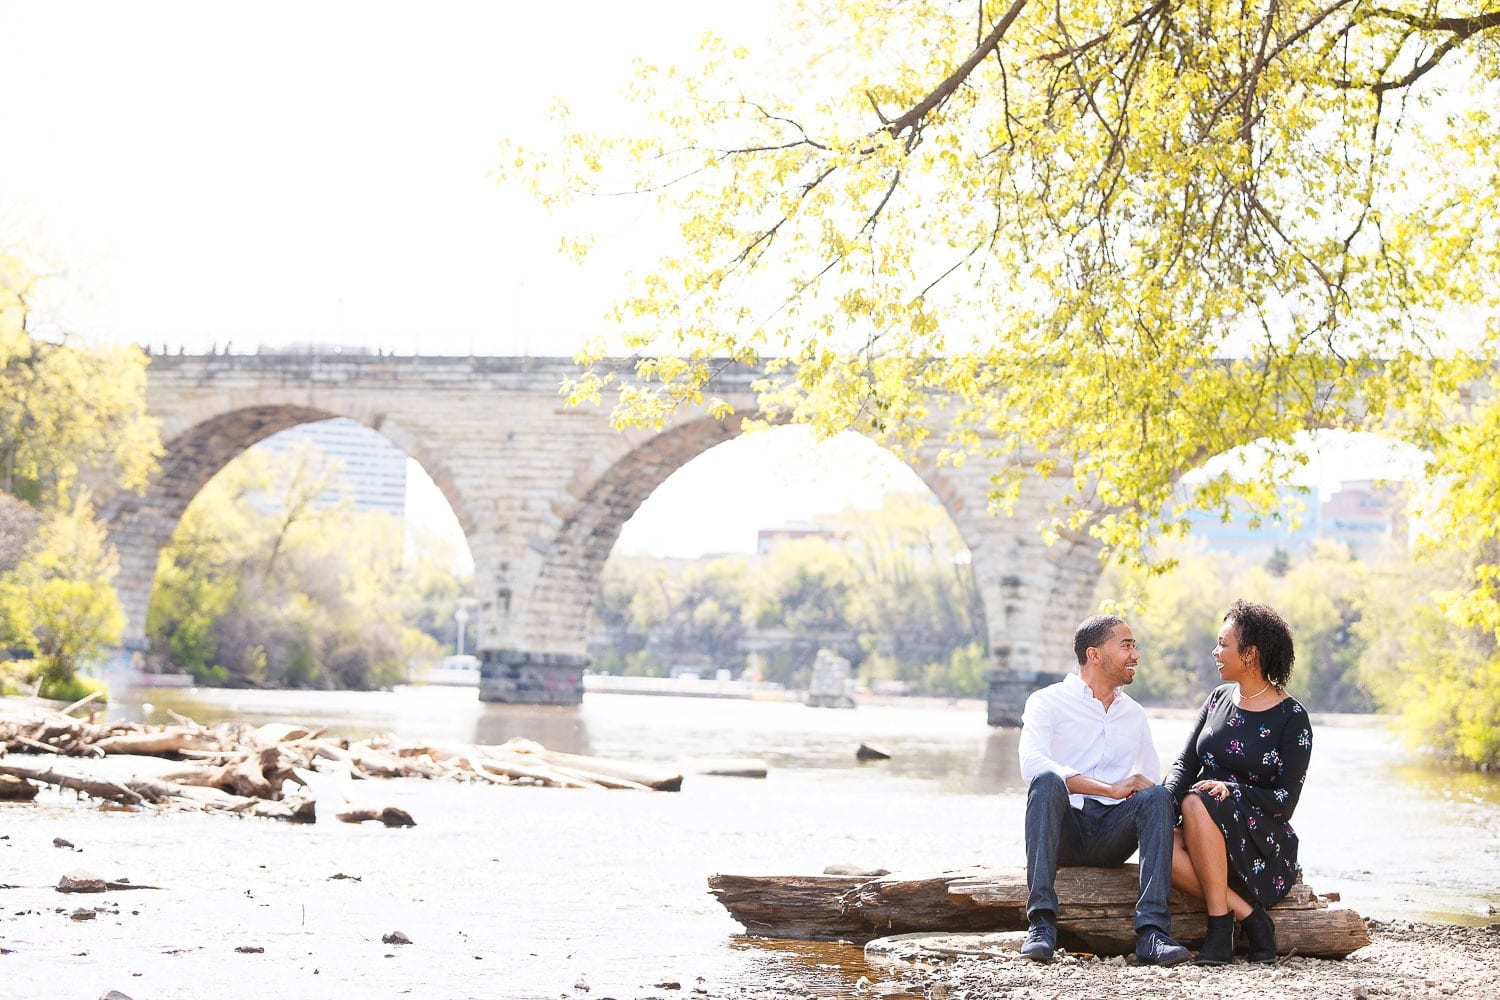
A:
(1096, 913)
(390, 816)
(15, 789)
(264, 770)
(155, 792)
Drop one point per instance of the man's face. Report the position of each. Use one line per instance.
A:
(1117, 656)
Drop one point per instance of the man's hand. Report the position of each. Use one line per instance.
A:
(1080, 785)
(1125, 789)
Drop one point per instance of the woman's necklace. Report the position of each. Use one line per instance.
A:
(1254, 696)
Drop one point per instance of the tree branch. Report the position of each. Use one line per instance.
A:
(912, 118)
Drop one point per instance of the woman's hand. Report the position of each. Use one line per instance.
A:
(1218, 789)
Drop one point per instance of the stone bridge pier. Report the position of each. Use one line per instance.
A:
(541, 491)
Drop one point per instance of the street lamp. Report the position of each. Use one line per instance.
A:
(461, 616)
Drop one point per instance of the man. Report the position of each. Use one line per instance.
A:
(1093, 795)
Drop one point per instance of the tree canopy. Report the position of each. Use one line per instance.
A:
(59, 601)
(71, 413)
(265, 583)
(1108, 240)
(1118, 237)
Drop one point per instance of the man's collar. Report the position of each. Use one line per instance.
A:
(1074, 681)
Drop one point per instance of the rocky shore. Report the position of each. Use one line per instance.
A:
(1403, 960)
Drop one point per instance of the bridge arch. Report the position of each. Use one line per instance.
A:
(141, 525)
(1033, 594)
(542, 489)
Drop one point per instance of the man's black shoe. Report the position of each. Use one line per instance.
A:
(1152, 947)
(1041, 939)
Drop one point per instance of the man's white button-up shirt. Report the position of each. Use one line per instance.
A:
(1066, 730)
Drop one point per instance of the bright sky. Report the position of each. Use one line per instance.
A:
(274, 173)
(262, 175)
(243, 176)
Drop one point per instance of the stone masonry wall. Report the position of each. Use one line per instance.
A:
(541, 490)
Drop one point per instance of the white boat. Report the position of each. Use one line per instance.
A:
(452, 671)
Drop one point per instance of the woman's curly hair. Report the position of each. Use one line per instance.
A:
(1261, 626)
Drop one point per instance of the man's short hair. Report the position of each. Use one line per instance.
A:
(1093, 632)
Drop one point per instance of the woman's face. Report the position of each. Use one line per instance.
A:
(1229, 656)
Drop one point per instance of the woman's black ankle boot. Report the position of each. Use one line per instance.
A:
(1218, 945)
(1260, 935)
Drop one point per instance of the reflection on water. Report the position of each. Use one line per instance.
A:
(821, 968)
(999, 768)
(587, 882)
(439, 714)
(555, 728)
(1452, 783)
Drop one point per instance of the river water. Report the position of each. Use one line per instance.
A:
(529, 892)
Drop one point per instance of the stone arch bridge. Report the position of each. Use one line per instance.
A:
(541, 490)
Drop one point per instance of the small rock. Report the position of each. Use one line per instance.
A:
(113, 995)
(582, 985)
(249, 949)
(668, 985)
(59, 842)
(395, 937)
(867, 752)
(81, 882)
(392, 816)
(82, 914)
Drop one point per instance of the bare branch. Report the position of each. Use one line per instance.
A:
(875, 214)
(1461, 27)
(912, 118)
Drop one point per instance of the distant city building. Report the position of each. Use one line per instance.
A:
(1291, 528)
(767, 539)
(1365, 515)
(374, 469)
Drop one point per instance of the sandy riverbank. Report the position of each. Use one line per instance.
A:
(254, 908)
(511, 892)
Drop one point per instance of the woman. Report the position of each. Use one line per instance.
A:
(1237, 783)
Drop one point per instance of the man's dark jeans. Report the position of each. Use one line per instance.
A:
(1101, 836)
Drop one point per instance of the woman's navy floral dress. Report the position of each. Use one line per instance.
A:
(1262, 757)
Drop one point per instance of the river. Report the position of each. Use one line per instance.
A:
(529, 892)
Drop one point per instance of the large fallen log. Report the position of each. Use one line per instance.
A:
(524, 757)
(1096, 913)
